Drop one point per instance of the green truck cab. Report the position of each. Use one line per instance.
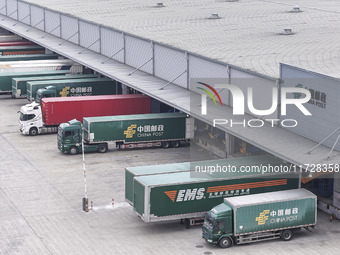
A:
(217, 224)
(259, 217)
(70, 136)
(48, 91)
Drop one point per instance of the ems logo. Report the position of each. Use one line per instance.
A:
(185, 194)
(171, 194)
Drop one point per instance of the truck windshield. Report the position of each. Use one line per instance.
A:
(26, 117)
(208, 221)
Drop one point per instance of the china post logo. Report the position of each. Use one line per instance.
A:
(239, 99)
(261, 220)
(130, 131)
(65, 91)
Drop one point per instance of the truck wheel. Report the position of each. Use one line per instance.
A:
(175, 144)
(165, 145)
(287, 235)
(102, 148)
(225, 242)
(33, 131)
(73, 150)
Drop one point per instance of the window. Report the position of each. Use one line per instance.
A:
(68, 134)
(219, 224)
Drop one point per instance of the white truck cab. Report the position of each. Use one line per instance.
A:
(30, 119)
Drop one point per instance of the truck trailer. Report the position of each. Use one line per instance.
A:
(19, 85)
(6, 78)
(28, 57)
(36, 90)
(21, 49)
(125, 131)
(36, 119)
(260, 217)
(189, 196)
(132, 172)
(16, 43)
(36, 65)
(10, 38)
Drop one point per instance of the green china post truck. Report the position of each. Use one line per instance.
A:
(125, 131)
(132, 172)
(260, 217)
(36, 90)
(175, 196)
(19, 85)
(6, 78)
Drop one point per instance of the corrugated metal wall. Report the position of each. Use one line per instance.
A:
(3, 7)
(203, 68)
(24, 13)
(89, 36)
(169, 64)
(138, 52)
(69, 27)
(262, 90)
(12, 7)
(37, 15)
(324, 104)
(112, 42)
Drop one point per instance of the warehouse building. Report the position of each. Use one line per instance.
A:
(172, 50)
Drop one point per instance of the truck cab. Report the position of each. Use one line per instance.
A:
(49, 91)
(70, 136)
(30, 119)
(217, 227)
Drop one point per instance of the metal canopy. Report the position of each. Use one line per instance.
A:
(274, 140)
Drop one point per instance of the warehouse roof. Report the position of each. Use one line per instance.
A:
(248, 34)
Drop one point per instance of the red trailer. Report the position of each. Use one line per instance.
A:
(58, 110)
(16, 43)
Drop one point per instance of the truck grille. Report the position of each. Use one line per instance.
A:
(205, 235)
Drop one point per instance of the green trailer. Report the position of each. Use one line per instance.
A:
(28, 57)
(36, 90)
(19, 85)
(6, 78)
(132, 172)
(125, 131)
(260, 217)
(174, 196)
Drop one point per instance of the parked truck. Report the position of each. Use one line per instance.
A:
(36, 90)
(132, 172)
(260, 217)
(125, 131)
(189, 196)
(16, 43)
(36, 65)
(36, 119)
(19, 85)
(28, 57)
(22, 49)
(6, 78)
(9, 38)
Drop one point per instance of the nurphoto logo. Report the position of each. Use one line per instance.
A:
(239, 100)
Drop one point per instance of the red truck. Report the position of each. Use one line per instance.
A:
(56, 110)
(16, 43)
